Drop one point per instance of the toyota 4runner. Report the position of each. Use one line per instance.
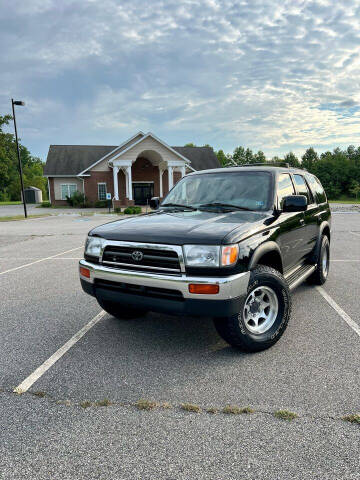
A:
(227, 243)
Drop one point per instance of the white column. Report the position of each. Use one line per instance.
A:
(126, 182)
(130, 193)
(161, 171)
(170, 177)
(116, 185)
(182, 170)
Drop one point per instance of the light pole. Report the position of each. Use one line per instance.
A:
(18, 102)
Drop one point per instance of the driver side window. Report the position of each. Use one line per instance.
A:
(285, 188)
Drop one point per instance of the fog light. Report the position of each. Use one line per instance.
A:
(84, 272)
(203, 288)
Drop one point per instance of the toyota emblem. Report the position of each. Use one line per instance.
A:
(137, 255)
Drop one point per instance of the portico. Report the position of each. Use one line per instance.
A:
(148, 161)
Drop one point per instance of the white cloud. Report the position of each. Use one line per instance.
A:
(269, 74)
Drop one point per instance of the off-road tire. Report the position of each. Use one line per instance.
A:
(120, 311)
(234, 330)
(320, 275)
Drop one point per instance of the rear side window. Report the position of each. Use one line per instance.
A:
(285, 187)
(317, 189)
(302, 188)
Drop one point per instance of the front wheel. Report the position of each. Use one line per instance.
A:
(121, 311)
(263, 314)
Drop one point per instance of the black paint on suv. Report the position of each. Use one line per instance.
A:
(228, 243)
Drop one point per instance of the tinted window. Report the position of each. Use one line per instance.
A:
(317, 189)
(302, 187)
(285, 187)
(243, 189)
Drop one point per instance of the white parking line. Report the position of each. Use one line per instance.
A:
(33, 377)
(50, 258)
(339, 310)
(355, 233)
(38, 261)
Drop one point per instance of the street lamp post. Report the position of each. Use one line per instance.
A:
(18, 102)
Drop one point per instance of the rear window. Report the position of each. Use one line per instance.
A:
(317, 189)
(302, 187)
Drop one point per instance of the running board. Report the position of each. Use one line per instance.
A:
(300, 274)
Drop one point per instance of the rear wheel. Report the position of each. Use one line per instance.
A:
(263, 314)
(120, 311)
(321, 273)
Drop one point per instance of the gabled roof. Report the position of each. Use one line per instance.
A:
(151, 135)
(72, 160)
(201, 157)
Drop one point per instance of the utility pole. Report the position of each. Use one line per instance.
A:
(18, 102)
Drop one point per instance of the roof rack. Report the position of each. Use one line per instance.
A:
(262, 164)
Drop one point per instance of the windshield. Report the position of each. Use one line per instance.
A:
(249, 190)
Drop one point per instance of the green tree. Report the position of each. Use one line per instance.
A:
(292, 160)
(223, 158)
(259, 157)
(309, 159)
(9, 173)
(354, 188)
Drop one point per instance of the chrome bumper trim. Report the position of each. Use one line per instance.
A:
(229, 287)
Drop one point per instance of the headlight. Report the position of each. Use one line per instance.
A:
(94, 246)
(211, 255)
(202, 255)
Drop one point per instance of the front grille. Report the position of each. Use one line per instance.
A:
(153, 260)
(129, 289)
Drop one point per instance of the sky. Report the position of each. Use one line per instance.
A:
(274, 75)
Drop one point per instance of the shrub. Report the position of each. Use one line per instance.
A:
(45, 204)
(117, 210)
(101, 204)
(77, 199)
(132, 210)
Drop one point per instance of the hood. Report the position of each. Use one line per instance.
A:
(180, 228)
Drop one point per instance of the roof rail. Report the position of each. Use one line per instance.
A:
(261, 164)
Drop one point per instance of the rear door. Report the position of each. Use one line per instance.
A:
(310, 216)
(291, 232)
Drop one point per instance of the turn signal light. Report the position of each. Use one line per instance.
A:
(85, 272)
(229, 254)
(203, 288)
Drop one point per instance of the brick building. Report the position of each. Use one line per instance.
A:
(141, 167)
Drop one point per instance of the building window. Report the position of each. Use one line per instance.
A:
(102, 191)
(67, 190)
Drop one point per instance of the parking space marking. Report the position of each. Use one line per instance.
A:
(33, 377)
(355, 233)
(40, 260)
(339, 310)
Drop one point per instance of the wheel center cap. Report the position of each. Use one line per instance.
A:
(255, 307)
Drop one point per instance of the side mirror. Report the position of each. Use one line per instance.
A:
(294, 203)
(154, 203)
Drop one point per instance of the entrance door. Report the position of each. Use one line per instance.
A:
(142, 192)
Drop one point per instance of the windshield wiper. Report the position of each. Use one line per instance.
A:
(178, 205)
(225, 205)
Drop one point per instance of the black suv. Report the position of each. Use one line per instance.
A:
(228, 243)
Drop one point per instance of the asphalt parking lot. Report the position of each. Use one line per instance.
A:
(58, 428)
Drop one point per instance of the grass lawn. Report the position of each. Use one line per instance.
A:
(345, 200)
(21, 217)
(10, 203)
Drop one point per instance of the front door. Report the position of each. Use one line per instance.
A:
(142, 192)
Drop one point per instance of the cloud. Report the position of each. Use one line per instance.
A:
(272, 75)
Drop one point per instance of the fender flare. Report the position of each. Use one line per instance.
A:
(322, 226)
(263, 249)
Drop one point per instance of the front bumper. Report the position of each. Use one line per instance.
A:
(165, 293)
